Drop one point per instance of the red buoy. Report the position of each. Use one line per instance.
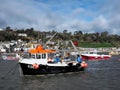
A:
(84, 64)
(35, 66)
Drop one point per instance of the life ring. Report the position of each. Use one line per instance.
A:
(84, 64)
(35, 66)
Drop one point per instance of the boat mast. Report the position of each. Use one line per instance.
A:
(50, 39)
(74, 47)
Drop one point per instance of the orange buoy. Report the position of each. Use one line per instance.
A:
(84, 64)
(35, 66)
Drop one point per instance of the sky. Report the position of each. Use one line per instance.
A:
(88, 16)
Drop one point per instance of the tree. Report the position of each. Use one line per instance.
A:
(64, 31)
(8, 29)
(104, 36)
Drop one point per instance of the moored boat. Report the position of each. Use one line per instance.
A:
(94, 55)
(11, 56)
(41, 61)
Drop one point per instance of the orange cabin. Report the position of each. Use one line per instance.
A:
(39, 49)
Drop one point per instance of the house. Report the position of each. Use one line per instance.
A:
(22, 34)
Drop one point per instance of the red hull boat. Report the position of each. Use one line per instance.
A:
(94, 56)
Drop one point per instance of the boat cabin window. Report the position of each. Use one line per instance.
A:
(32, 55)
(99, 53)
(43, 56)
(91, 52)
(38, 56)
(25, 55)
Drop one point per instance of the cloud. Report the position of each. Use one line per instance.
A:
(85, 15)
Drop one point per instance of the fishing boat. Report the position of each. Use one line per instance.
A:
(94, 55)
(40, 61)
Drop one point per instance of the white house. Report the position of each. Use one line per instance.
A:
(22, 34)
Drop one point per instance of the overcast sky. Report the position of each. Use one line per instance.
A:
(86, 15)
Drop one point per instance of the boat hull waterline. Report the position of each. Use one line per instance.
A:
(90, 57)
(28, 69)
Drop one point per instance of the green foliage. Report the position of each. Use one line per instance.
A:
(95, 45)
(103, 39)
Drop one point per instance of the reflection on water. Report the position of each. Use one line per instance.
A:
(54, 82)
(100, 75)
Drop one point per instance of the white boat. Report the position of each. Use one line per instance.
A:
(40, 61)
(94, 55)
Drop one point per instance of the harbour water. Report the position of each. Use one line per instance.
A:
(99, 75)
